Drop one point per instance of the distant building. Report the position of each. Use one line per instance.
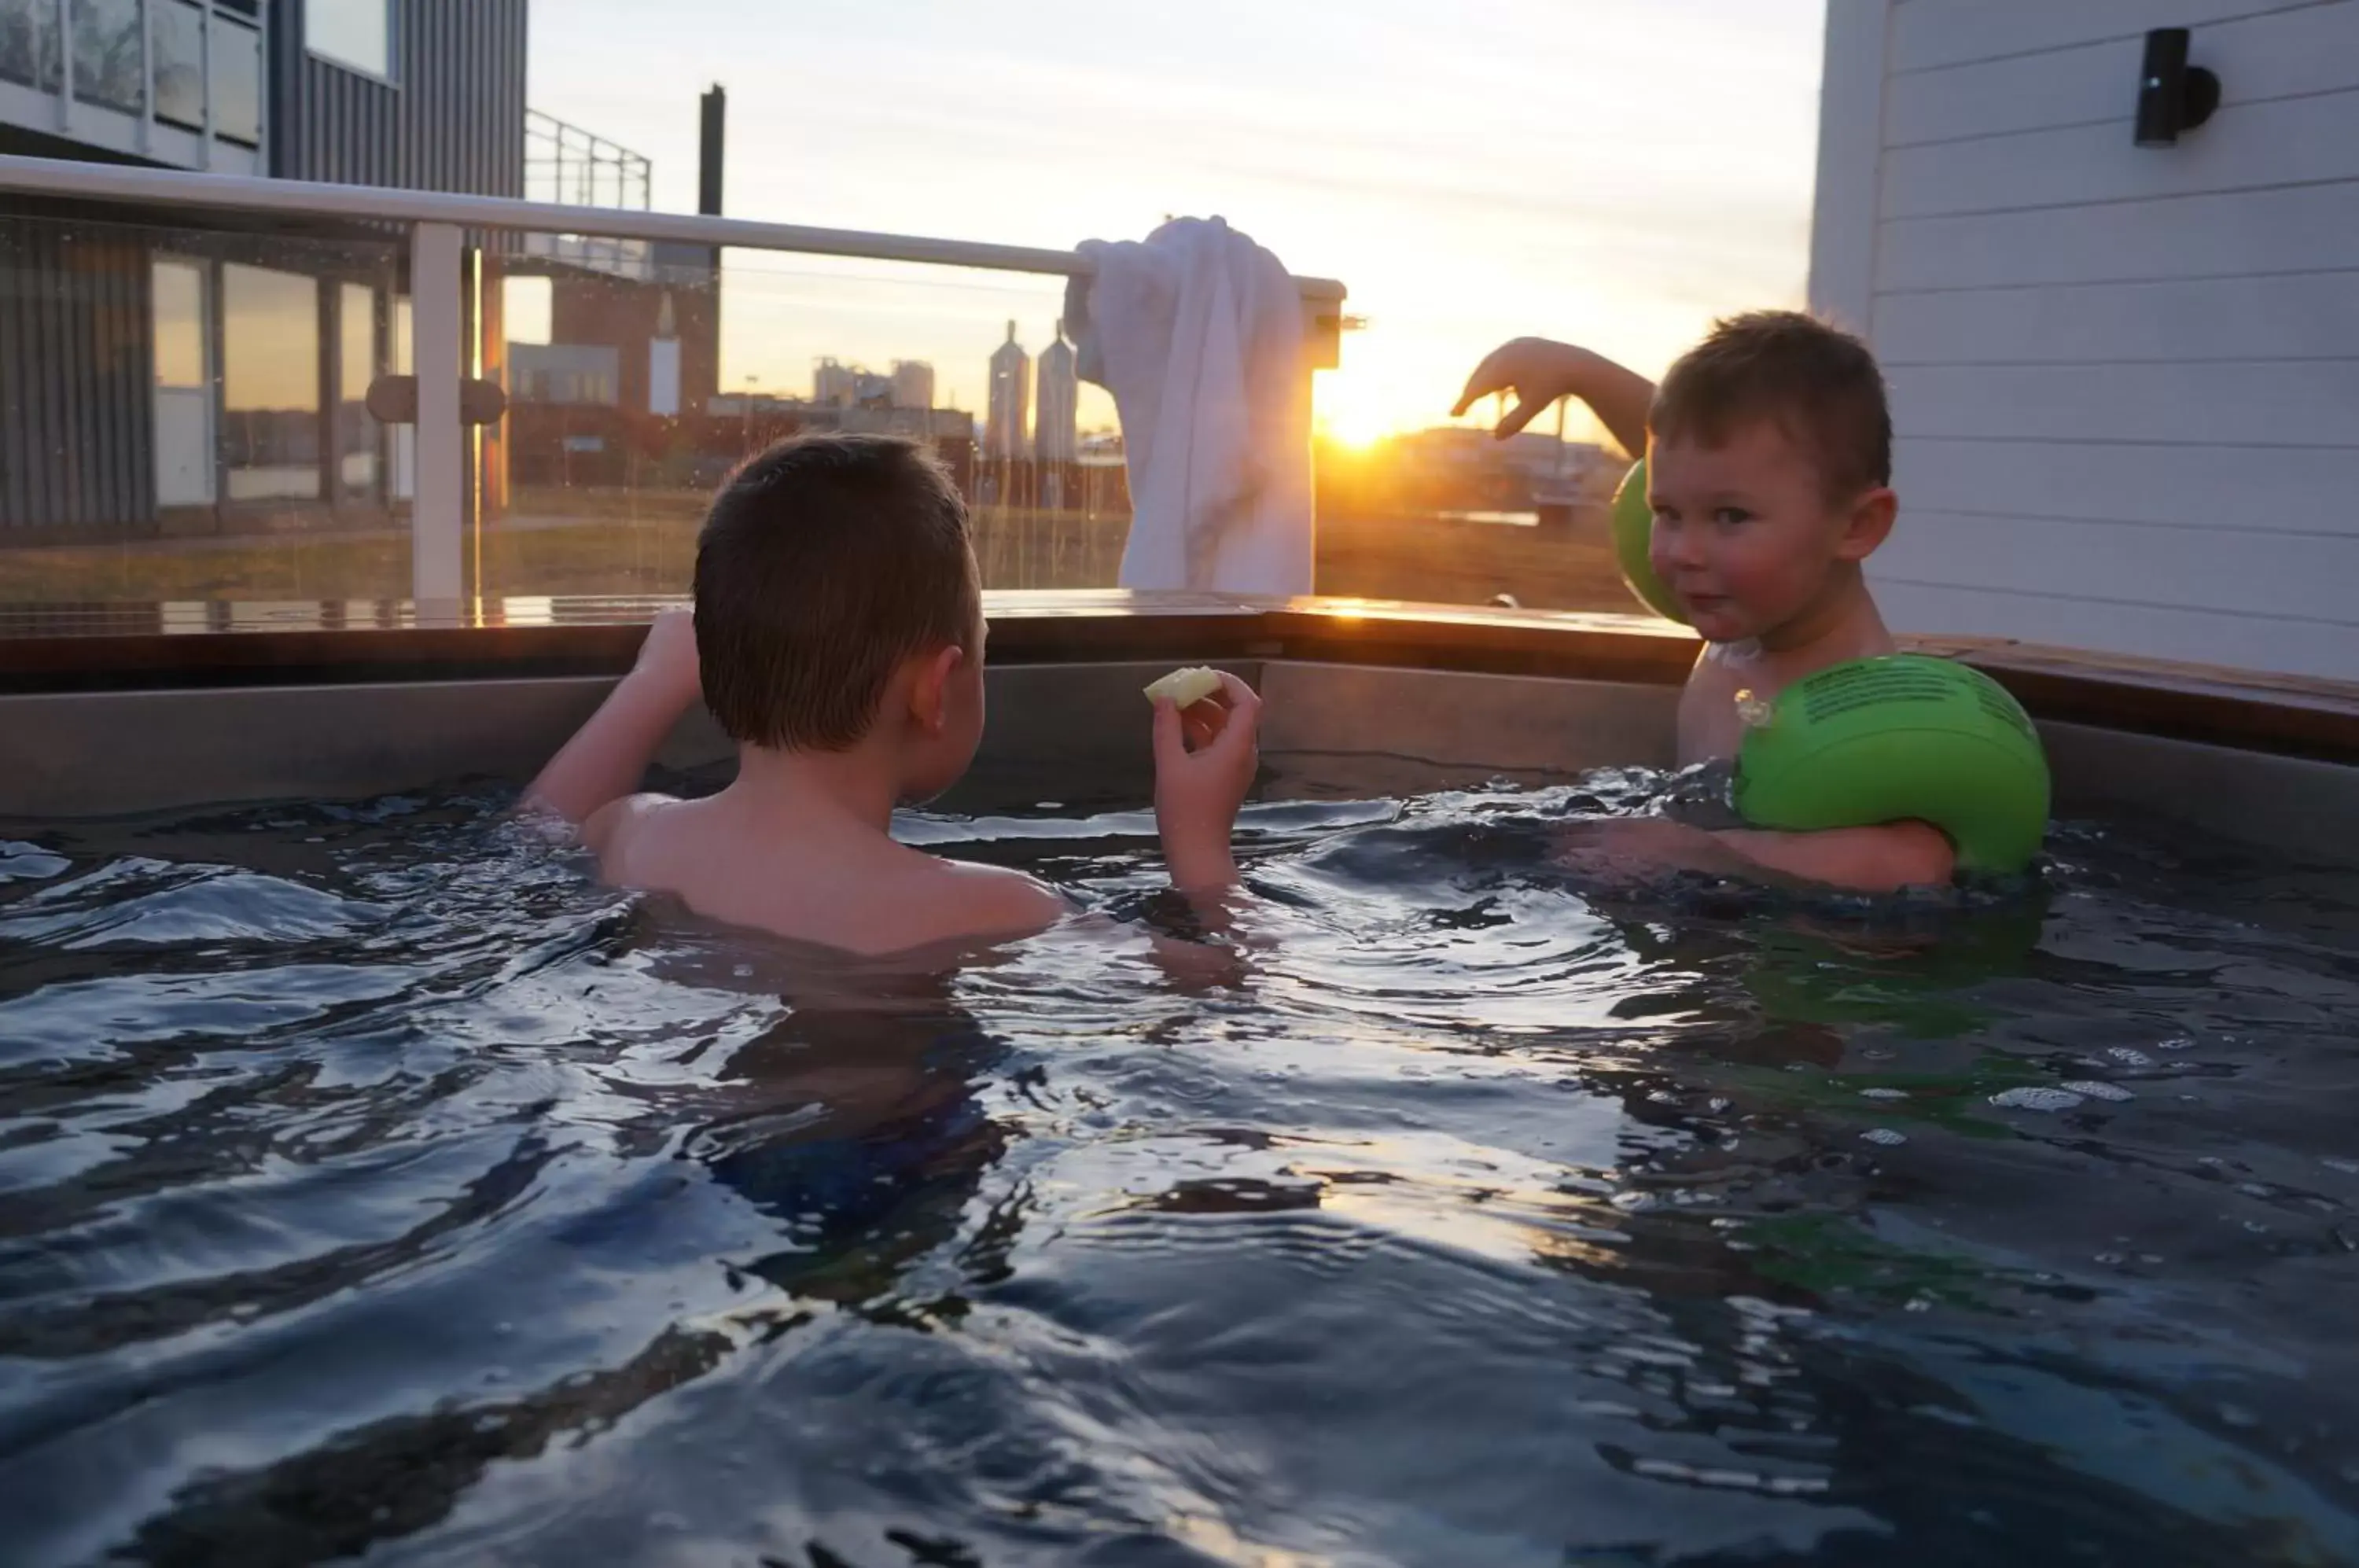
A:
(835, 384)
(851, 418)
(577, 375)
(913, 384)
(1055, 426)
(756, 420)
(1056, 423)
(1007, 414)
(1465, 449)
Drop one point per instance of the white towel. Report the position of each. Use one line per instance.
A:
(1197, 331)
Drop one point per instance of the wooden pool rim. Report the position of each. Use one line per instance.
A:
(60, 648)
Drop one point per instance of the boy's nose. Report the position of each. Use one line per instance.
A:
(1675, 549)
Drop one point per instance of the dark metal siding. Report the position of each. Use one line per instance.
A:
(76, 417)
(76, 400)
(451, 120)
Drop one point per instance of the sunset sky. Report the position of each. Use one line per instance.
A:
(1611, 172)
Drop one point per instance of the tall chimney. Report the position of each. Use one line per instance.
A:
(715, 107)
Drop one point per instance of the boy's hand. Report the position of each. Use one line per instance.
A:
(1626, 849)
(1205, 759)
(667, 662)
(1536, 370)
(605, 761)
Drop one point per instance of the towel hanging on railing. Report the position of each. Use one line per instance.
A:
(1197, 333)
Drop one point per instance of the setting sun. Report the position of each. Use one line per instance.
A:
(1352, 410)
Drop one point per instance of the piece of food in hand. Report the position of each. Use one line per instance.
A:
(1185, 687)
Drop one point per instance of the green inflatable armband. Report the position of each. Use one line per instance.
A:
(1903, 738)
(1634, 520)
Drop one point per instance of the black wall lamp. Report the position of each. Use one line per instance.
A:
(2173, 96)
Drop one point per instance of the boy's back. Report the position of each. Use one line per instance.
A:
(838, 638)
(822, 878)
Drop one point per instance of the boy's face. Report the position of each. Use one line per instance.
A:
(1743, 533)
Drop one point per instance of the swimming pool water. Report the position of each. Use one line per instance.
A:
(371, 1182)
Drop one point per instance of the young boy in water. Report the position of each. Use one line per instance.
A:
(838, 638)
(1769, 469)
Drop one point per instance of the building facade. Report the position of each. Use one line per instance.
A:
(159, 377)
(2125, 378)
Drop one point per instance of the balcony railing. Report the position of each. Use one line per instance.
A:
(569, 166)
(354, 392)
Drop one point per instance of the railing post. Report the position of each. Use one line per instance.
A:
(146, 74)
(63, 12)
(205, 70)
(436, 518)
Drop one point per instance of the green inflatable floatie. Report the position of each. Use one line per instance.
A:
(1907, 737)
(1634, 520)
(1903, 738)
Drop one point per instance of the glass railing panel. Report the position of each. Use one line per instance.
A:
(183, 415)
(637, 376)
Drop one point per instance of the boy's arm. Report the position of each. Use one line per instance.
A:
(608, 756)
(1539, 372)
(1881, 859)
(1199, 790)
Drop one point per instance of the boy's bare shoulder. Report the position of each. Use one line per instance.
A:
(908, 902)
(612, 830)
(1708, 725)
(873, 899)
(972, 901)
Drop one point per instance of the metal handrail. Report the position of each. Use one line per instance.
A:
(437, 222)
(245, 194)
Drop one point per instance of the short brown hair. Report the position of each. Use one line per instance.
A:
(824, 562)
(1818, 382)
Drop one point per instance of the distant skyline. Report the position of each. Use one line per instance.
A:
(1616, 172)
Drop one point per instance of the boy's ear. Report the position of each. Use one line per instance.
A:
(929, 693)
(1868, 523)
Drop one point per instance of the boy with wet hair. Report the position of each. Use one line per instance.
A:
(838, 638)
(1769, 472)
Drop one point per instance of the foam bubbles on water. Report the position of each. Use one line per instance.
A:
(1883, 1093)
(29, 862)
(1729, 1479)
(2035, 1099)
(1884, 1136)
(2096, 1089)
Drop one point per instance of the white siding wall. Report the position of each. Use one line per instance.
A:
(2125, 380)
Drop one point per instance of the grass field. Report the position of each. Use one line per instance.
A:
(582, 542)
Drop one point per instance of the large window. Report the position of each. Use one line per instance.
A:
(355, 34)
(237, 60)
(177, 36)
(184, 393)
(29, 43)
(401, 483)
(270, 384)
(109, 67)
(356, 433)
